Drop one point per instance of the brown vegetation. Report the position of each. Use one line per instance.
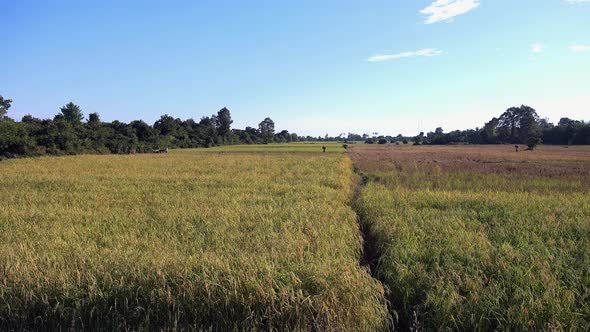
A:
(479, 238)
(548, 161)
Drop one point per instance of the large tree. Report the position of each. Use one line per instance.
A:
(529, 129)
(224, 122)
(94, 121)
(208, 130)
(510, 123)
(167, 125)
(72, 113)
(489, 131)
(267, 130)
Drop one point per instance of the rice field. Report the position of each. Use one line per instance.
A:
(480, 238)
(150, 242)
(298, 147)
(268, 238)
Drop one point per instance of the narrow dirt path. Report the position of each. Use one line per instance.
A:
(371, 251)
(370, 258)
(370, 255)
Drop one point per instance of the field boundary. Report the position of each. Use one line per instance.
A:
(371, 255)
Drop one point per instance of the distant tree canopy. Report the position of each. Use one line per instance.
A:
(224, 122)
(68, 133)
(419, 139)
(267, 130)
(517, 125)
(72, 114)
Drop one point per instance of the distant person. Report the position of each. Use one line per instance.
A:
(324, 148)
(516, 147)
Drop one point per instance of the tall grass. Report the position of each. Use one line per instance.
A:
(230, 242)
(479, 251)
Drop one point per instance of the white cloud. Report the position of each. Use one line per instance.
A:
(537, 48)
(580, 48)
(447, 10)
(428, 52)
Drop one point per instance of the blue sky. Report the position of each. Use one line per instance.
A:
(315, 67)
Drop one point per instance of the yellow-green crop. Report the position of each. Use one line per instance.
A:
(472, 240)
(183, 241)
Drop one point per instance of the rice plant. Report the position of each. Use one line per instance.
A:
(231, 242)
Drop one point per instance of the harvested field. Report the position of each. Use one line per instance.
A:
(545, 161)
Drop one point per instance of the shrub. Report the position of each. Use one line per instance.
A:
(533, 142)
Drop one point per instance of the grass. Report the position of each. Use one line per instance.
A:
(303, 147)
(223, 242)
(467, 246)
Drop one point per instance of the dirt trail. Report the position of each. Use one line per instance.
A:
(370, 257)
(371, 251)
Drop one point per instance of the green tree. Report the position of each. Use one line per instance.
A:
(14, 139)
(267, 130)
(97, 134)
(529, 130)
(532, 142)
(224, 122)
(121, 138)
(72, 114)
(510, 123)
(166, 125)
(489, 132)
(207, 130)
(4, 106)
(436, 137)
(93, 121)
(147, 136)
(64, 135)
(418, 140)
(283, 136)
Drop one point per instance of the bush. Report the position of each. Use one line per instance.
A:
(533, 142)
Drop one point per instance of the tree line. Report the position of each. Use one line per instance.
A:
(517, 125)
(70, 133)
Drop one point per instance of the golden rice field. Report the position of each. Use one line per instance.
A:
(221, 242)
(477, 238)
(455, 238)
